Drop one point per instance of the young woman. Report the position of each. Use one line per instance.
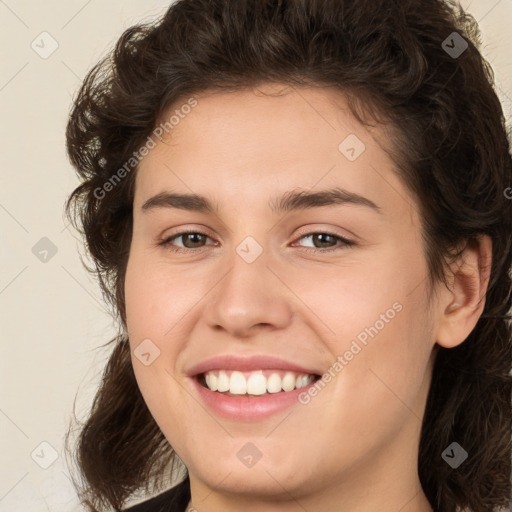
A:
(300, 210)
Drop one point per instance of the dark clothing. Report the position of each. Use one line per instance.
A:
(174, 500)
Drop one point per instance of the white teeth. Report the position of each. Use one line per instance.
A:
(255, 383)
(288, 383)
(212, 381)
(274, 383)
(223, 382)
(237, 384)
(301, 381)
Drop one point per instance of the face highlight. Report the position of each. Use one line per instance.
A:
(302, 269)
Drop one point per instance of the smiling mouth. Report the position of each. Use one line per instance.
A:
(255, 383)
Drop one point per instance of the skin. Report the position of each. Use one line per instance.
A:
(354, 446)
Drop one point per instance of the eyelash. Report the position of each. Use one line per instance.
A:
(167, 241)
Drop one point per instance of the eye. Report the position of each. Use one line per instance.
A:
(321, 238)
(193, 239)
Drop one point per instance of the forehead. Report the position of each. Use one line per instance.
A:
(243, 145)
(271, 120)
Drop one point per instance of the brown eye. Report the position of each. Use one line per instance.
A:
(322, 239)
(323, 242)
(190, 239)
(195, 240)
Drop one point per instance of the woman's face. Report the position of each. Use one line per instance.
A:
(283, 282)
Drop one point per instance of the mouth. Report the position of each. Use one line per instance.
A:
(250, 388)
(257, 383)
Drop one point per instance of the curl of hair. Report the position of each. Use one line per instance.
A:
(450, 147)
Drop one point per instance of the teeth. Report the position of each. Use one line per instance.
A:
(211, 382)
(274, 383)
(288, 383)
(237, 384)
(222, 382)
(301, 381)
(255, 383)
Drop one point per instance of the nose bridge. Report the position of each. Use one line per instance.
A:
(249, 294)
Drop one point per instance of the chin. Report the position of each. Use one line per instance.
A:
(252, 483)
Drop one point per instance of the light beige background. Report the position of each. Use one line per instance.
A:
(52, 317)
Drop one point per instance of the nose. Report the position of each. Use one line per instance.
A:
(248, 298)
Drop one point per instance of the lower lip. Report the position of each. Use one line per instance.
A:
(244, 408)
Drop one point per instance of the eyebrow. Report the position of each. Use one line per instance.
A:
(289, 201)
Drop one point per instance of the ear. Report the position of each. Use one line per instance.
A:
(462, 303)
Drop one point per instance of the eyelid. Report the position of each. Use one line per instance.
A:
(346, 242)
(187, 228)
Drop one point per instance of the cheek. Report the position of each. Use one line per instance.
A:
(149, 315)
(360, 299)
(381, 337)
(384, 366)
(157, 297)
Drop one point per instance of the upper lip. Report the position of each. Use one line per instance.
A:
(247, 364)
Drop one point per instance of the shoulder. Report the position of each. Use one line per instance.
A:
(173, 500)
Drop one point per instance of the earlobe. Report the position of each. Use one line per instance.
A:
(462, 304)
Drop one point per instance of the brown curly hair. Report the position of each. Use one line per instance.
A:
(451, 150)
